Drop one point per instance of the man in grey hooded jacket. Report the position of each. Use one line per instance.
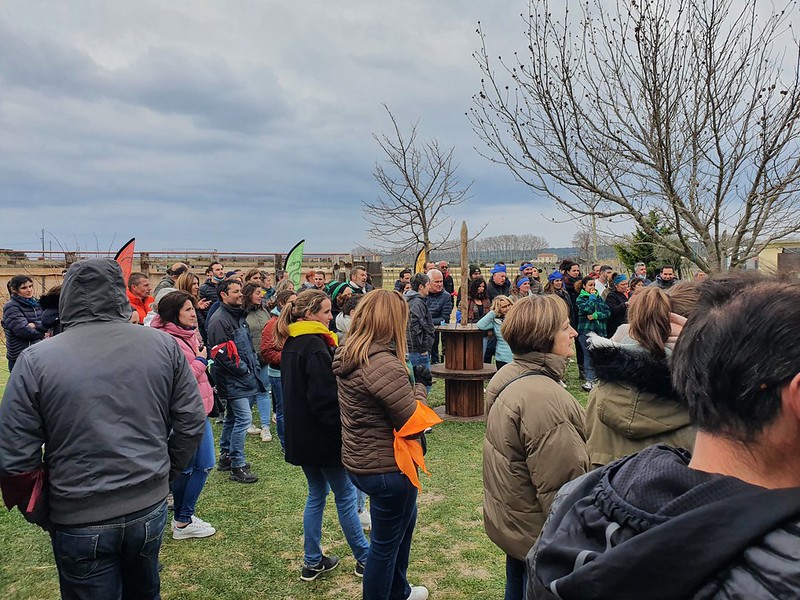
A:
(120, 415)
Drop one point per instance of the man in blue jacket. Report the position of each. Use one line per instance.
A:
(119, 413)
(235, 369)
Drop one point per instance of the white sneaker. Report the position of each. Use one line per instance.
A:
(418, 592)
(366, 520)
(266, 436)
(253, 430)
(194, 518)
(195, 529)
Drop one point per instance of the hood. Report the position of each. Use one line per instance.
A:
(93, 291)
(344, 369)
(643, 523)
(634, 397)
(412, 294)
(551, 365)
(630, 364)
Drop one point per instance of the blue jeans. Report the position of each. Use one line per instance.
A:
(114, 559)
(588, 367)
(320, 481)
(393, 509)
(238, 417)
(415, 358)
(277, 396)
(516, 579)
(263, 401)
(186, 488)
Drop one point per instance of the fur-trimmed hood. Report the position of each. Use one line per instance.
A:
(630, 364)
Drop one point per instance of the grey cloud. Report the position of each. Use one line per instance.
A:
(164, 79)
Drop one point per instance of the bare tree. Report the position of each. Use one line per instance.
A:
(682, 108)
(418, 184)
(582, 242)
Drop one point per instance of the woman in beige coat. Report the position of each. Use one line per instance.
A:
(535, 436)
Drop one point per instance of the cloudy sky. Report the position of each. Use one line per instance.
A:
(240, 125)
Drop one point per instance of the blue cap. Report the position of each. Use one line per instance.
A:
(555, 275)
(524, 266)
(523, 281)
(498, 268)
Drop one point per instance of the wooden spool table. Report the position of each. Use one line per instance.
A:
(463, 370)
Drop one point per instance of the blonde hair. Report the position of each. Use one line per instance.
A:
(683, 297)
(284, 284)
(648, 319)
(185, 281)
(500, 299)
(307, 301)
(532, 323)
(381, 317)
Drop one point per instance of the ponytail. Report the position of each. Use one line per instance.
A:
(648, 317)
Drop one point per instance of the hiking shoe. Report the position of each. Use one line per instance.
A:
(224, 463)
(242, 475)
(311, 572)
(418, 592)
(359, 572)
(366, 520)
(253, 430)
(195, 529)
(266, 436)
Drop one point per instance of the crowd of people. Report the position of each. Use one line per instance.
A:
(681, 426)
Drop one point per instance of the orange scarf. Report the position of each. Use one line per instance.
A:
(408, 453)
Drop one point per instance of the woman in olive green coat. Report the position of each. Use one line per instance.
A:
(634, 406)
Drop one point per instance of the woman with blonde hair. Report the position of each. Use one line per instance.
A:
(380, 399)
(535, 435)
(633, 404)
(493, 321)
(313, 429)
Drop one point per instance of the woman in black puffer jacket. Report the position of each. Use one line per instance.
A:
(22, 318)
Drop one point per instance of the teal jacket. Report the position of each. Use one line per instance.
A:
(592, 304)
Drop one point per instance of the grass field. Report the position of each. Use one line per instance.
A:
(257, 552)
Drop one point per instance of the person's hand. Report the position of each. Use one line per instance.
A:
(201, 350)
(204, 303)
(422, 374)
(31, 325)
(590, 317)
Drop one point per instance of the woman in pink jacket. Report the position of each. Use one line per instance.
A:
(177, 317)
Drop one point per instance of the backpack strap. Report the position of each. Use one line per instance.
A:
(518, 377)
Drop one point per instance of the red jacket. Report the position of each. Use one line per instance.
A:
(270, 354)
(140, 306)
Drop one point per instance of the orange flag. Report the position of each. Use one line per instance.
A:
(408, 453)
(125, 259)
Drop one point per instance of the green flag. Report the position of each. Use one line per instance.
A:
(294, 263)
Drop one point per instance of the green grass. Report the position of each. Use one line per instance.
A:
(257, 551)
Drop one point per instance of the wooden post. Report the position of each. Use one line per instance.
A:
(464, 274)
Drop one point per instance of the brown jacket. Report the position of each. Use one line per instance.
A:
(374, 400)
(535, 442)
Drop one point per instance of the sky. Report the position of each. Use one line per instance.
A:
(238, 125)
